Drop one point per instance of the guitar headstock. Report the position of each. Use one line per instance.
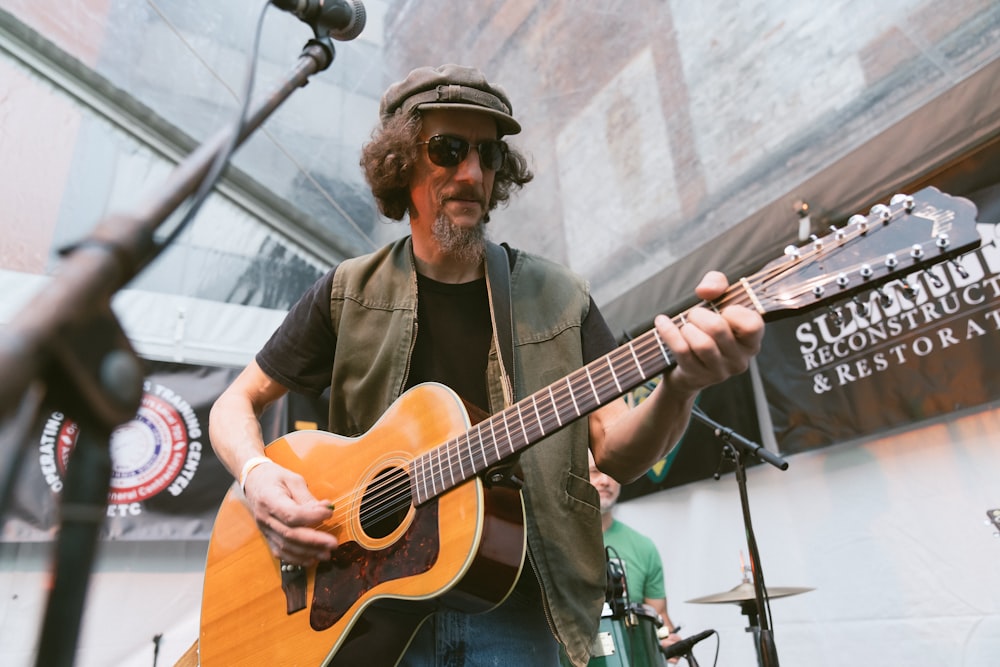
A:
(892, 241)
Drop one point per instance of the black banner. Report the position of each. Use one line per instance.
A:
(166, 482)
(920, 348)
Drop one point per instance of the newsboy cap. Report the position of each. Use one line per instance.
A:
(449, 87)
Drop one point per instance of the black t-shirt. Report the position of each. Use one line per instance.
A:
(454, 333)
(453, 339)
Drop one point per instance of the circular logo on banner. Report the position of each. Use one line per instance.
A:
(156, 451)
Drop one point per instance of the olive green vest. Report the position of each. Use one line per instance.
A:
(374, 314)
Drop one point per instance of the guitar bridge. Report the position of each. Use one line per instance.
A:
(293, 583)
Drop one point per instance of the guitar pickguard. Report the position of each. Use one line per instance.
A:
(354, 571)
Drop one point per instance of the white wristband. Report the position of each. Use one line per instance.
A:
(251, 463)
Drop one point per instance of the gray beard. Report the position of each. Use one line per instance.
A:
(463, 243)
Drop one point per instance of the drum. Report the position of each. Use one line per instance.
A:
(628, 640)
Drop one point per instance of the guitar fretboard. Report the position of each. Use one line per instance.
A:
(538, 415)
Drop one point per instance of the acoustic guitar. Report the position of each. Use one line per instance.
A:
(422, 512)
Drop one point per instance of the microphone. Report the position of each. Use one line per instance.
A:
(616, 594)
(684, 646)
(341, 19)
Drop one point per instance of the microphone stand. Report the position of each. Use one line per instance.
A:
(69, 343)
(757, 611)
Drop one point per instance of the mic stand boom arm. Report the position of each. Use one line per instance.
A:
(68, 344)
(734, 443)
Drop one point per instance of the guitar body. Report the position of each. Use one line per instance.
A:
(395, 565)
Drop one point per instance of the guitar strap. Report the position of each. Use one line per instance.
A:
(506, 473)
(498, 288)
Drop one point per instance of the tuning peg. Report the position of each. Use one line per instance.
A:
(911, 291)
(959, 268)
(881, 211)
(906, 200)
(942, 241)
(859, 221)
(934, 278)
(862, 307)
(836, 315)
(793, 252)
(891, 261)
(917, 251)
(883, 298)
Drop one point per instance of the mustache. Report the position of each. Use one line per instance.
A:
(472, 194)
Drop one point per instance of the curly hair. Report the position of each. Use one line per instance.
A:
(388, 160)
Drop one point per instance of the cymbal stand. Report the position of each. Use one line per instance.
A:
(749, 609)
(758, 610)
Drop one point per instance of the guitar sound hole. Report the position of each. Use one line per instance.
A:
(385, 503)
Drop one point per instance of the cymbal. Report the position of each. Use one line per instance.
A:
(745, 593)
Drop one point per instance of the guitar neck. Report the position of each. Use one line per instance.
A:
(544, 412)
(909, 234)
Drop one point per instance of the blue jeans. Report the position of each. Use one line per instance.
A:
(515, 633)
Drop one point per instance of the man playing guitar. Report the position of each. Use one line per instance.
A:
(423, 309)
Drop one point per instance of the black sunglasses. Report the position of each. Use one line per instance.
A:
(447, 151)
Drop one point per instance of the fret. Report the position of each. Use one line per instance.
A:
(429, 475)
(436, 454)
(417, 480)
(555, 406)
(466, 456)
(538, 417)
(470, 446)
(479, 428)
(451, 466)
(428, 471)
(493, 434)
(506, 428)
(572, 397)
(520, 418)
(638, 364)
(458, 455)
(614, 376)
(593, 389)
(439, 475)
(663, 350)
